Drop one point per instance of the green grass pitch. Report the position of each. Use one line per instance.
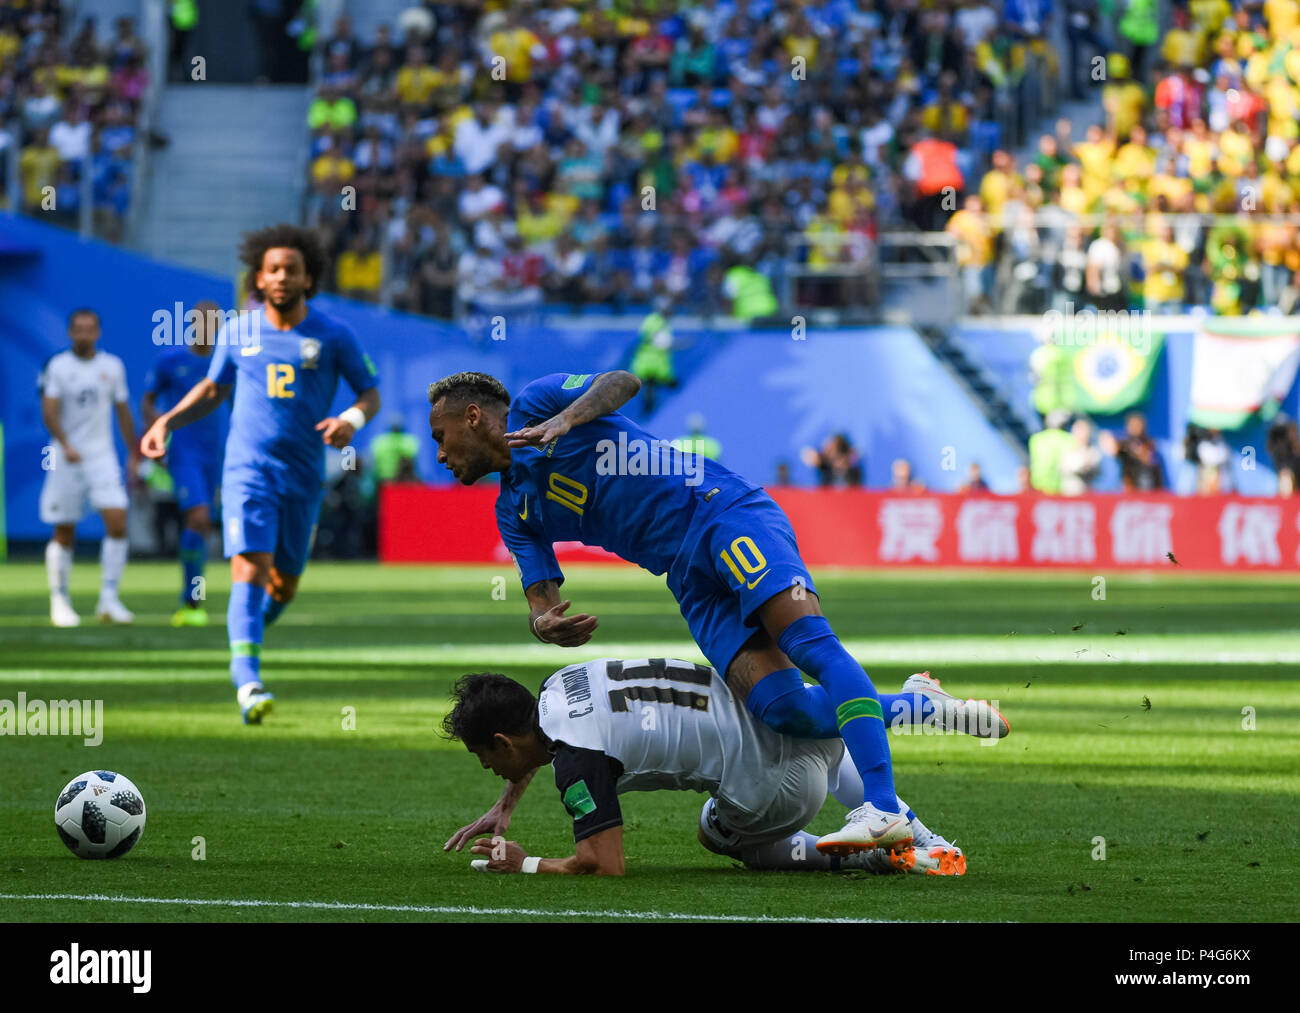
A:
(1197, 812)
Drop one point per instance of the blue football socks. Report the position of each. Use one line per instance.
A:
(244, 624)
(811, 644)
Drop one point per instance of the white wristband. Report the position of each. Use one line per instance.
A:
(531, 863)
(355, 417)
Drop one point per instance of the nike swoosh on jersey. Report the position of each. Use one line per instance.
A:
(760, 577)
(524, 516)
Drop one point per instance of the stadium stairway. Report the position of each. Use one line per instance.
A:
(983, 391)
(235, 161)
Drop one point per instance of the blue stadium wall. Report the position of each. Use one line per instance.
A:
(764, 395)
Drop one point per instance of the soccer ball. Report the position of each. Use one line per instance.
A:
(99, 814)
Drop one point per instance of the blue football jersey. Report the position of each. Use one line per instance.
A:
(284, 385)
(607, 483)
(176, 371)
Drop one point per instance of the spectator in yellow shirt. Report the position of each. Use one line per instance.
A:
(1165, 263)
(1135, 159)
(1209, 15)
(1201, 149)
(800, 41)
(1095, 153)
(38, 167)
(447, 87)
(1235, 150)
(970, 226)
(1073, 198)
(333, 168)
(539, 220)
(416, 80)
(1122, 98)
(1168, 184)
(1282, 16)
(1184, 44)
(998, 184)
(514, 44)
(359, 272)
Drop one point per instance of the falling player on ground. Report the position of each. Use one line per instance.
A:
(81, 388)
(608, 727)
(574, 469)
(193, 454)
(284, 366)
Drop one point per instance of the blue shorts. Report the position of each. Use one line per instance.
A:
(731, 562)
(196, 476)
(267, 513)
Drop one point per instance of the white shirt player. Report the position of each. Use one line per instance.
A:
(670, 724)
(87, 389)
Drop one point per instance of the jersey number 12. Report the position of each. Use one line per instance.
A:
(279, 377)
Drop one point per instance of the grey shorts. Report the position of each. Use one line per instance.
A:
(798, 800)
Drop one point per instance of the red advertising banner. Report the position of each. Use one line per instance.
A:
(853, 527)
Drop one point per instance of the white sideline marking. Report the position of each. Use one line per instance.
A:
(320, 905)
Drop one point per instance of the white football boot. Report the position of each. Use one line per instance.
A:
(930, 855)
(974, 717)
(866, 828)
(111, 610)
(62, 613)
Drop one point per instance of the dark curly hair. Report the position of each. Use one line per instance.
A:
(487, 703)
(294, 237)
(461, 388)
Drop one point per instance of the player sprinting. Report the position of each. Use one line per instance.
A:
(193, 454)
(609, 726)
(82, 388)
(284, 370)
(574, 469)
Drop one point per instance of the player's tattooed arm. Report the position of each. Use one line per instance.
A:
(547, 620)
(50, 411)
(608, 393)
(497, 819)
(203, 399)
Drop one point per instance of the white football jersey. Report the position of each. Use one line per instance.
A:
(87, 389)
(670, 724)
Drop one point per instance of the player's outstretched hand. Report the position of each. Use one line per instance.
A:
(502, 855)
(336, 432)
(153, 444)
(539, 435)
(554, 627)
(495, 822)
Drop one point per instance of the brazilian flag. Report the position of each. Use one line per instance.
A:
(1111, 368)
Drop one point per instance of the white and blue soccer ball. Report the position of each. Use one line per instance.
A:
(99, 814)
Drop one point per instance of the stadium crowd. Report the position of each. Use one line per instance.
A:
(69, 107)
(511, 154)
(1186, 193)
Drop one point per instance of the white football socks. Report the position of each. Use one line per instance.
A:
(112, 561)
(58, 568)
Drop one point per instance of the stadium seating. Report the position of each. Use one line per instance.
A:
(70, 114)
(740, 128)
